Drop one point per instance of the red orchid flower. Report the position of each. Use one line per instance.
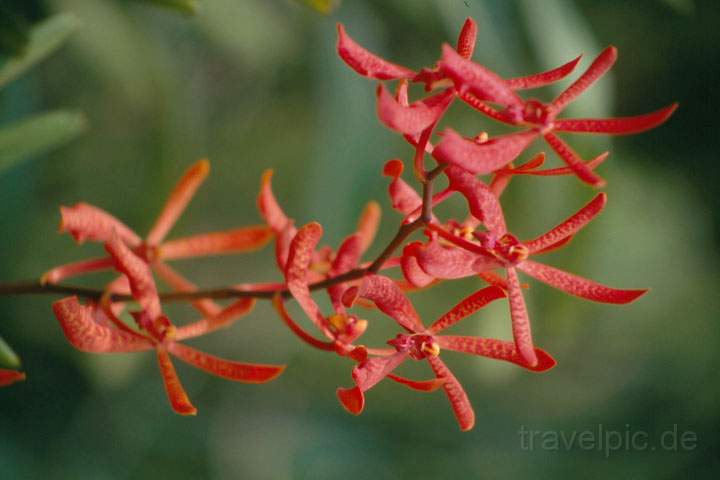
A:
(341, 329)
(323, 262)
(93, 329)
(477, 85)
(479, 252)
(421, 343)
(86, 222)
(8, 377)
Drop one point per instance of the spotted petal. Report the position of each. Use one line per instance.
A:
(404, 198)
(365, 63)
(459, 401)
(414, 118)
(388, 297)
(616, 126)
(481, 158)
(466, 39)
(520, 320)
(174, 389)
(368, 224)
(483, 204)
(86, 222)
(544, 78)
(85, 333)
(467, 307)
(597, 69)
(578, 286)
(239, 240)
(581, 169)
(497, 349)
(228, 369)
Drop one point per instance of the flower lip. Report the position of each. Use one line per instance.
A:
(419, 346)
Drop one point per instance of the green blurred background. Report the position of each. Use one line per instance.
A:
(253, 84)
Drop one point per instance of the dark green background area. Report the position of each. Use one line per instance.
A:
(254, 84)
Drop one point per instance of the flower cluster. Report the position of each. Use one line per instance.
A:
(477, 168)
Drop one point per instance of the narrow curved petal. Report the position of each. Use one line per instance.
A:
(268, 205)
(573, 161)
(520, 320)
(569, 226)
(283, 240)
(466, 307)
(404, 198)
(554, 246)
(459, 401)
(8, 377)
(368, 224)
(579, 286)
(174, 389)
(347, 258)
(300, 255)
(444, 262)
(228, 369)
(481, 158)
(476, 79)
(178, 282)
(411, 269)
(138, 274)
(223, 319)
(238, 240)
(482, 203)
(86, 222)
(497, 349)
(486, 109)
(414, 118)
(368, 373)
(297, 329)
(466, 39)
(365, 63)
(389, 299)
(62, 272)
(591, 164)
(418, 385)
(177, 202)
(84, 333)
(544, 78)
(597, 69)
(616, 126)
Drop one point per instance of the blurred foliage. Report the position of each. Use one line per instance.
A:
(8, 358)
(255, 84)
(188, 7)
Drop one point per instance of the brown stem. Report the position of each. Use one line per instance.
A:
(35, 287)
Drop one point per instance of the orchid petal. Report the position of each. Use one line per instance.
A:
(368, 224)
(476, 79)
(450, 263)
(486, 109)
(239, 240)
(365, 63)
(544, 78)
(174, 389)
(228, 369)
(570, 226)
(177, 201)
(178, 282)
(404, 198)
(591, 164)
(223, 319)
(388, 297)
(466, 307)
(411, 269)
(418, 385)
(616, 126)
(8, 377)
(597, 69)
(352, 399)
(466, 39)
(414, 118)
(268, 204)
(573, 161)
(482, 203)
(481, 158)
(497, 349)
(578, 286)
(347, 258)
(85, 334)
(520, 320)
(69, 270)
(86, 222)
(297, 329)
(368, 373)
(554, 246)
(138, 274)
(459, 401)
(300, 255)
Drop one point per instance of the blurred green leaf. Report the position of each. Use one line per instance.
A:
(681, 7)
(45, 37)
(323, 6)
(14, 32)
(188, 7)
(8, 358)
(38, 134)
